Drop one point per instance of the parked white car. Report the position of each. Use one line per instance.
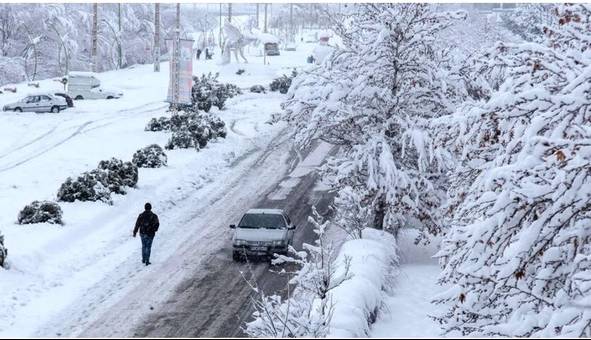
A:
(38, 103)
(262, 232)
(85, 85)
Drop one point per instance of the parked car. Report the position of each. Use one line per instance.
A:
(262, 232)
(68, 99)
(38, 103)
(85, 85)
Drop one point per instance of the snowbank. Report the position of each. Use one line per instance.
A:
(373, 260)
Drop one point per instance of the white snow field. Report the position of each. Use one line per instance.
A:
(405, 311)
(58, 277)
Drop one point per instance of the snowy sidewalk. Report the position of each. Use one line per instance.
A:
(406, 312)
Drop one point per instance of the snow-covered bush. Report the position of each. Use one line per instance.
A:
(40, 212)
(282, 83)
(158, 124)
(3, 251)
(207, 91)
(181, 140)
(152, 156)
(518, 255)
(372, 262)
(88, 186)
(119, 174)
(257, 89)
(217, 126)
(193, 129)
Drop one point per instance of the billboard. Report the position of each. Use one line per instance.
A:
(181, 72)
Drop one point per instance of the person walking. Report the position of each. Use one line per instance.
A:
(198, 53)
(147, 224)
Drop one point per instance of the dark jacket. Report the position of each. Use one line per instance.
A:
(147, 223)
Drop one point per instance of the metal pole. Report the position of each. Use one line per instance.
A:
(93, 51)
(229, 12)
(220, 35)
(156, 37)
(291, 35)
(177, 57)
(257, 21)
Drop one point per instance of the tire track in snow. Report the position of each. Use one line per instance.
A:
(32, 141)
(81, 129)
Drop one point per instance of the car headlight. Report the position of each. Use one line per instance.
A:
(240, 242)
(278, 243)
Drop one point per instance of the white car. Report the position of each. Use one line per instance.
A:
(38, 103)
(86, 85)
(262, 232)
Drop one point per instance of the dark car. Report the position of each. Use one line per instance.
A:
(68, 99)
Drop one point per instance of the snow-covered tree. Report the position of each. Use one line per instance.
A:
(374, 98)
(518, 255)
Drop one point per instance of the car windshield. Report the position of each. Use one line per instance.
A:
(269, 221)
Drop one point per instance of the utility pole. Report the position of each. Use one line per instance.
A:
(291, 31)
(119, 48)
(229, 12)
(93, 51)
(265, 29)
(156, 37)
(257, 21)
(220, 34)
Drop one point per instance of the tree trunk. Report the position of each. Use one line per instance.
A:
(156, 37)
(229, 12)
(379, 213)
(291, 35)
(93, 52)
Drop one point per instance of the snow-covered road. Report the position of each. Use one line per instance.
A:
(64, 278)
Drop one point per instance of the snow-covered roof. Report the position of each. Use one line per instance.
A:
(267, 38)
(265, 211)
(82, 74)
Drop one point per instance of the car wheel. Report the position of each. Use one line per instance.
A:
(18, 109)
(236, 256)
(55, 109)
(109, 97)
(79, 97)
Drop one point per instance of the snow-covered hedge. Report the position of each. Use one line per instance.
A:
(282, 83)
(88, 186)
(152, 156)
(257, 89)
(3, 251)
(158, 124)
(372, 264)
(189, 129)
(112, 175)
(119, 174)
(180, 140)
(40, 212)
(207, 91)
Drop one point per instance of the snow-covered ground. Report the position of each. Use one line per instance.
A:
(405, 312)
(52, 267)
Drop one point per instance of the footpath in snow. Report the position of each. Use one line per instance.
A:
(406, 311)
